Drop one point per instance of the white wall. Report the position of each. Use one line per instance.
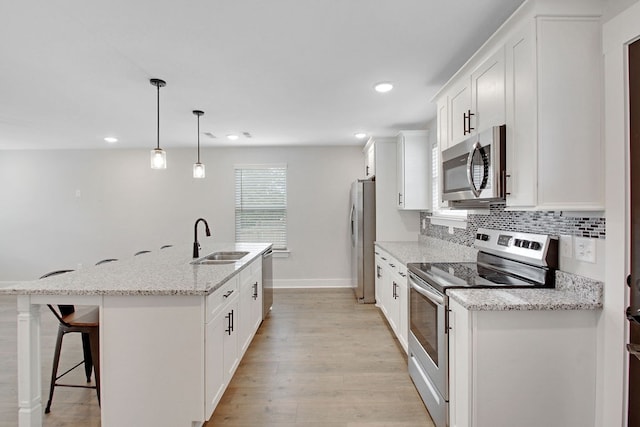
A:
(124, 206)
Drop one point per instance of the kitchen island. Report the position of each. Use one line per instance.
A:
(165, 354)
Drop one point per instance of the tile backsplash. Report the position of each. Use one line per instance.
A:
(542, 222)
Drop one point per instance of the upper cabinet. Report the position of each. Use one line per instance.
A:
(369, 159)
(540, 74)
(554, 97)
(413, 157)
(474, 102)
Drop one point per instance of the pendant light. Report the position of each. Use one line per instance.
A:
(158, 155)
(198, 168)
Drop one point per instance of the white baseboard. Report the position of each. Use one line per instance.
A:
(312, 283)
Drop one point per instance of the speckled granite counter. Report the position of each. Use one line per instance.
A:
(433, 250)
(163, 272)
(572, 292)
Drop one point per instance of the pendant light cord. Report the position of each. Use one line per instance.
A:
(198, 138)
(158, 121)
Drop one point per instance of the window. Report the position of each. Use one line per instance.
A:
(261, 204)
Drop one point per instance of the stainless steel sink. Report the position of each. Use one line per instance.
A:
(222, 257)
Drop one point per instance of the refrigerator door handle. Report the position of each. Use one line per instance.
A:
(352, 224)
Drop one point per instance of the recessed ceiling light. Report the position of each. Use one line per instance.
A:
(232, 137)
(111, 139)
(383, 87)
(360, 135)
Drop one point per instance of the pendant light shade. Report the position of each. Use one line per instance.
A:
(198, 168)
(158, 155)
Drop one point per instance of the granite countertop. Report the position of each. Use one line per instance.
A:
(431, 250)
(572, 292)
(162, 272)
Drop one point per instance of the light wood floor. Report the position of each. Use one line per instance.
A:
(318, 360)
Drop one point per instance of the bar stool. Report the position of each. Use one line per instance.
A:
(85, 322)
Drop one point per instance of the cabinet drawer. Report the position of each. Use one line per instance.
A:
(217, 300)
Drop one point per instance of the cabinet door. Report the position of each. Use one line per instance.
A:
(441, 123)
(369, 160)
(413, 154)
(214, 363)
(231, 356)
(378, 279)
(488, 93)
(403, 309)
(459, 366)
(459, 107)
(521, 118)
(256, 299)
(400, 172)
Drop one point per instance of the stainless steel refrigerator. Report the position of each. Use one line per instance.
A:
(363, 235)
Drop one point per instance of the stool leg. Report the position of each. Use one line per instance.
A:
(94, 339)
(54, 369)
(86, 349)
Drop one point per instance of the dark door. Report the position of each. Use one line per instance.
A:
(634, 310)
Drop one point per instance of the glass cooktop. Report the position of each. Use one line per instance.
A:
(444, 275)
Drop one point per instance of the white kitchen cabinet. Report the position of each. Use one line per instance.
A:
(413, 169)
(391, 279)
(475, 101)
(526, 368)
(392, 224)
(554, 97)
(540, 74)
(488, 93)
(221, 342)
(250, 303)
(369, 158)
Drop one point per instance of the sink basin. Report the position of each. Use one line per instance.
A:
(223, 257)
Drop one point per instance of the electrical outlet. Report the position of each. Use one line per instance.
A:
(585, 249)
(450, 229)
(566, 246)
(424, 223)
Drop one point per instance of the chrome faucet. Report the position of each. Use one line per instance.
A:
(196, 245)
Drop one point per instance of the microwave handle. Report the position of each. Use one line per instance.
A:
(476, 192)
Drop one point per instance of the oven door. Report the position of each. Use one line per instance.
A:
(429, 347)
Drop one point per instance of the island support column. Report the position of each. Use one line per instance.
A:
(29, 376)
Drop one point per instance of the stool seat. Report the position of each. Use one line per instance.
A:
(83, 318)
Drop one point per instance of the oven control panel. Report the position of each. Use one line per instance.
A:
(528, 247)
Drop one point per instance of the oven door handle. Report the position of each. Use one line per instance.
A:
(438, 299)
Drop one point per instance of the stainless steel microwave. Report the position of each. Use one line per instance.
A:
(473, 171)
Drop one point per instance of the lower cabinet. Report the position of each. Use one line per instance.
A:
(392, 295)
(250, 304)
(523, 368)
(234, 313)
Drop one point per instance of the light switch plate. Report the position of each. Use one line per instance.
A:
(585, 249)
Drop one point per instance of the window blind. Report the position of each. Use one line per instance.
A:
(261, 204)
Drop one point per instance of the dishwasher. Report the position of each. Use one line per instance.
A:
(267, 282)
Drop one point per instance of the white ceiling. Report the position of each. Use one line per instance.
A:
(290, 72)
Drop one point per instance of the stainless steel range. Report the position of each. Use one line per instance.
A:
(505, 260)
